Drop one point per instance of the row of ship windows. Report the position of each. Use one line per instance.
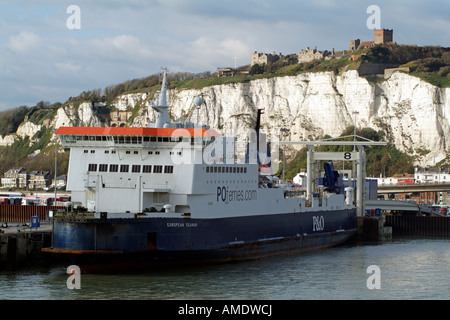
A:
(125, 168)
(137, 168)
(215, 182)
(138, 140)
(134, 152)
(220, 169)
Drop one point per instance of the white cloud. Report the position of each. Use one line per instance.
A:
(209, 53)
(122, 45)
(23, 41)
(124, 42)
(67, 66)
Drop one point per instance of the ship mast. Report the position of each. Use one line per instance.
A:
(162, 118)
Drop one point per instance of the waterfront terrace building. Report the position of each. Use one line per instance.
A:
(11, 178)
(60, 182)
(39, 180)
(15, 178)
(23, 179)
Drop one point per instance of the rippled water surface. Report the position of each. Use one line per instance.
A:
(409, 269)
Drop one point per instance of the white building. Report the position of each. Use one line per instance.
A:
(421, 175)
(300, 179)
(432, 175)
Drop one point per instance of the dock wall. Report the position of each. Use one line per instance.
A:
(373, 229)
(17, 213)
(385, 227)
(23, 248)
(426, 226)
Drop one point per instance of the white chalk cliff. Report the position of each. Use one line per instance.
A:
(414, 114)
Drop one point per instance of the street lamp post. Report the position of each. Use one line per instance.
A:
(285, 133)
(56, 166)
(56, 163)
(354, 146)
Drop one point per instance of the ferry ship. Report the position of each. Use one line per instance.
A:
(173, 192)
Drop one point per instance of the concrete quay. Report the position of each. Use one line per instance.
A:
(21, 245)
(386, 226)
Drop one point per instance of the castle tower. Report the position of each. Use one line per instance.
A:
(354, 44)
(382, 36)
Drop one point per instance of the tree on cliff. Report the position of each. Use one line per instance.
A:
(256, 69)
(11, 119)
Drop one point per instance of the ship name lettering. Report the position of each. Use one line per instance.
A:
(191, 224)
(175, 224)
(318, 223)
(182, 225)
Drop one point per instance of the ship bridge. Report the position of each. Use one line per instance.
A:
(146, 138)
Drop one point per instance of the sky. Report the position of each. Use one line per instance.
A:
(50, 51)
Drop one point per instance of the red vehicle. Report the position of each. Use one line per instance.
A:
(443, 211)
(406, 181)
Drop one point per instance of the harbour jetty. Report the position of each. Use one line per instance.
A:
(24, 230)
(387, 226)
(20, 245)
(419, 226)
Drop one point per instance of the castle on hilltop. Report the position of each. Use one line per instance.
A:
(381, 36)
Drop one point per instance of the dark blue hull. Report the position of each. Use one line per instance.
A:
(96, 245)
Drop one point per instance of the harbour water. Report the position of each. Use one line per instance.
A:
(409, 269)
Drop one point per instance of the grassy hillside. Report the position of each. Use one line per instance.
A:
(432, 64)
